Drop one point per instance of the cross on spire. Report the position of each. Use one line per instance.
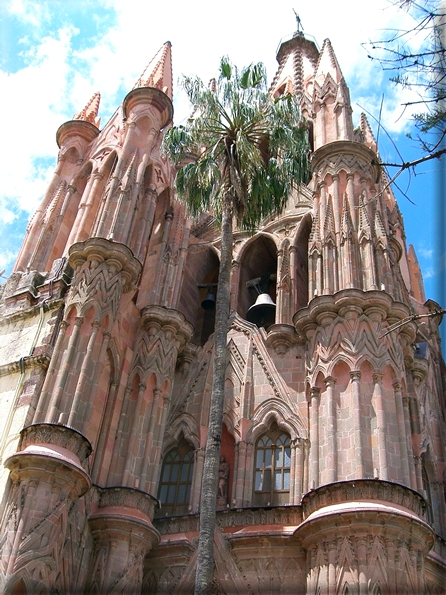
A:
(300, 29)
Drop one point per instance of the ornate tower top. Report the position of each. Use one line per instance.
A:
(160, 77)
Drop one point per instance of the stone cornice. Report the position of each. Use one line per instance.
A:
(25, 363)
(167, 320)
(149, 96)
(378, 305)
(240, 517)
(85, 130)
(56, 435)
(364, 490)
(127, 497)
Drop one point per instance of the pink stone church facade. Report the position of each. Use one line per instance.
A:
(334, 432)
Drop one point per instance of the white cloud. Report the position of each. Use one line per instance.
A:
(59, 79)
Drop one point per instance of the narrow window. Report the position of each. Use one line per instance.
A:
(272, 470)
(176, 480)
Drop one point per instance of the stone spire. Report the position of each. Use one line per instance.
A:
(90, 111)
(160, 75)
(366, 133)
(297, 59)
(328, 65)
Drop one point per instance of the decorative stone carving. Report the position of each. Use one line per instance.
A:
(123, 534)
(47, 477)
(104, 270)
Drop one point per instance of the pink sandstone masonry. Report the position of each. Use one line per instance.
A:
(332, 479)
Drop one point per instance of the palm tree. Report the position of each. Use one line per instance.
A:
(244, 153)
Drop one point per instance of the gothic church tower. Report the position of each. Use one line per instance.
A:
(334, 430)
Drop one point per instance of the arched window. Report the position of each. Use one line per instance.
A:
(272, 469)
(176, 480)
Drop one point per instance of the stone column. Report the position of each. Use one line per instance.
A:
(332, 559)
(380, 427)
(47, 476)
(135, 435)
(240, 473)
(123, 534)
(196, 482)
(248, 476)
(298, 470)
(408, 431)
(361, 550)
(336, 206)
(351, 200)
(51, 373)
(355, 376)
(81, 230)
(402, 434)
(331, 430)
(64, 370)
(75, 417)
(314, 437)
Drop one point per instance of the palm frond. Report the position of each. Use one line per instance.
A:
(246, 146)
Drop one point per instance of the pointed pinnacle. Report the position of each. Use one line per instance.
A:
(90, 111)
(160, 76)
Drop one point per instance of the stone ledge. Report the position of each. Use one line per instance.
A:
(240, 517)
(56, 435)
(370, 490)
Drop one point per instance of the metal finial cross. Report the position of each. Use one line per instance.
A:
(300, 29)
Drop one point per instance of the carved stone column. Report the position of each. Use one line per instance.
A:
(164, 333)
(121, 526)
(402, 433)
(366, 536)
(380, 426)
(314, 437)
(356, 396)
(47, 475)
(331, 430)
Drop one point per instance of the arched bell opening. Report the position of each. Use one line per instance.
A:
(198, 293)
(257, 287)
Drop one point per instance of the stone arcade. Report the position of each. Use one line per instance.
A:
(333, 450)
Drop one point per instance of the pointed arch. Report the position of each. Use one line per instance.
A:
(186, 425)
(258, 261)
(274, 410)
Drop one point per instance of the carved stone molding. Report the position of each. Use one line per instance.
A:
(345, 155)
(124, 496)
(56, 435)
(104, 270)
(123, 534)
(277, 515)
(170, 321)
(364, 490)
(281, 337)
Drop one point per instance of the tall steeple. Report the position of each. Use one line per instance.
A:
(158, 72)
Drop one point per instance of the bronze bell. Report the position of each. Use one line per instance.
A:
(263, 312)
(209, 302)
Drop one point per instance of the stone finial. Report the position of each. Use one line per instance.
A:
(160, 76)
(328, 64)
(90, 111)
(367, 134)
(416, 278)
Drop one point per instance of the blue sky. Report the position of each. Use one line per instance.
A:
(56, 53)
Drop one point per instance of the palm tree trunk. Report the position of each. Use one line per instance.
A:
(208, 501)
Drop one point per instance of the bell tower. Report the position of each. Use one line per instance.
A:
(98, 374)
(332, 471)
